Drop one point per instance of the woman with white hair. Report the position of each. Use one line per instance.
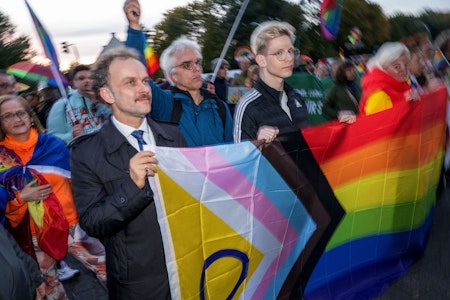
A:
(387, 79)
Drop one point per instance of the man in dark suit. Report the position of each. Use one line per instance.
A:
(110, 170)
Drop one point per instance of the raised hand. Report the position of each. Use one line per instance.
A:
(132, 11)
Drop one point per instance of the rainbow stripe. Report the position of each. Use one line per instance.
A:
(247, 227)
(341, 54)
(440, 61)
(243, 51)
(330, 17)
(384, 171)
(49, 50)
(238, 222)
(50, 156)
(151, 59)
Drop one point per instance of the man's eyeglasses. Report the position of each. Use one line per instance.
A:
(8, 117)
(282, 54)
(190, 65)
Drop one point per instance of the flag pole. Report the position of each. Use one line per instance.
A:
(50, 52)
(443, 57)
(230, 37)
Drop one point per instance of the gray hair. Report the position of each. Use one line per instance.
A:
(387, 53)
(267, 31)
(215, 61)
(167, 59)
(100, 70)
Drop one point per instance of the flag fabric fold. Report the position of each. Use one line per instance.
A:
(253, 227)
(330, 17)
(47, 44)
(48, 216)
(335, 211)
(50, 52)
(439, 60)
(384, 169)
(150, 57)
(341, 54)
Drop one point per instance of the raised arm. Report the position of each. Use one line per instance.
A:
(162, 100)
(135, 39)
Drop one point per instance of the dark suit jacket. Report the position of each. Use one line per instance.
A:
(112, 208)
(20, 274)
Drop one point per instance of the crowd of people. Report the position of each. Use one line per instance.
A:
(102, 205)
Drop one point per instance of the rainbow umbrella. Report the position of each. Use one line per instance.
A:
(243, 51)
(35, 72)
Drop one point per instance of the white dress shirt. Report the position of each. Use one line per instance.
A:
(127, 130)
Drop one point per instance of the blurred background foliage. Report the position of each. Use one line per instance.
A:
(209, 22)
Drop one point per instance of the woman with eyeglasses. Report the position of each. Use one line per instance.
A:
(36, 200)
(272, 107)
(33, 170)
(203, 118)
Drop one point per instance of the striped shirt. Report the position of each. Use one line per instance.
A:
(262, 106)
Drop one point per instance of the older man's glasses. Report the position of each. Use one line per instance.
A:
(9, 117)
(190, 65)
(282, 54)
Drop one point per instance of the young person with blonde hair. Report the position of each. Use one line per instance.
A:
(272, 107)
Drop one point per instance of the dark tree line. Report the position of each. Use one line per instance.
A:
(12, 48)
(209, 22)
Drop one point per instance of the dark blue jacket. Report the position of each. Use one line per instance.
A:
(200, 124)
(221, 85)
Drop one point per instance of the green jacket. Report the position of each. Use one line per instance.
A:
(340, 98)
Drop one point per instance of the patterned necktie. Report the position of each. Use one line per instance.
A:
(138, 136)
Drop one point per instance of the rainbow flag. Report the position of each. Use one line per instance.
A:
(51, 156)
(440, 61)
(330, 17)
(341, 54)
(336, 211)
(254, 220)
(49, 50)
(384, 170)
(150, 57)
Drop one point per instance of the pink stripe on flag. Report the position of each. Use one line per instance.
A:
(263, 209)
